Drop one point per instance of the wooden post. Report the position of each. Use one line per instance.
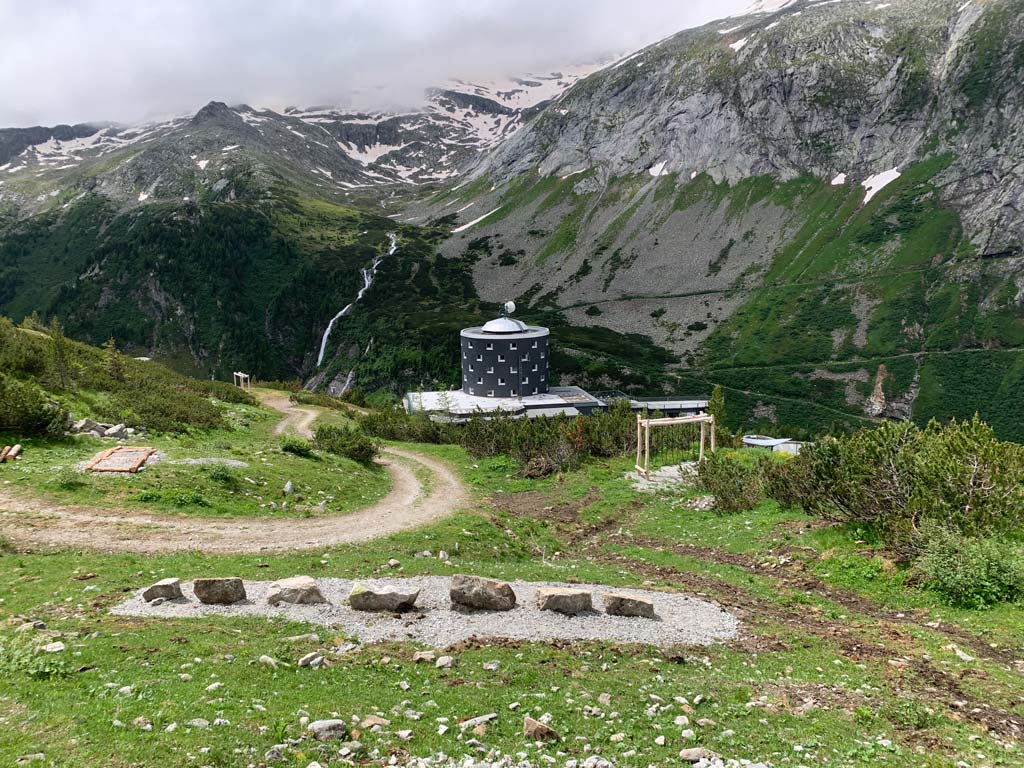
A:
(712, 433)
(647, 450)
(638, 443)
(700, 456)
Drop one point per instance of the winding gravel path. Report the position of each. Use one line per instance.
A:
(34, 522)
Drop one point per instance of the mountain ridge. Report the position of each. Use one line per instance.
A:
(815, 206)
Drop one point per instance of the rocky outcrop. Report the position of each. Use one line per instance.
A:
(817, 89)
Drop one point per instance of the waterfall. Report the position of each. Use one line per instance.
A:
(368, 275)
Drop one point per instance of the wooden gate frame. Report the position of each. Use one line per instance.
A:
(643, 437)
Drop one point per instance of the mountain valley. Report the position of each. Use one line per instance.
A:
(816, 205)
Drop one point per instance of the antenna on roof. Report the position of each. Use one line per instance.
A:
(509, 308)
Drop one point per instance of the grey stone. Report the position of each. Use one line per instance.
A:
(480, 593)
(617, 604)
(571, 602)
(323, 730)
(362, 598)
(219, 591)
(300, 590)
(535, 730)
(115, 431)
(289, 488)
(168, 589)
(696, 754)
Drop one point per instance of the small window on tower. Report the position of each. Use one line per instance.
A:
(489, 346)
(513, 346)
(501, 358)
(501, 382)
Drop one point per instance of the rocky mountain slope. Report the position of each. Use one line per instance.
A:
(814, 204)
(817, 206)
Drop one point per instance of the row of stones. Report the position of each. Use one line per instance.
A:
(473, 592)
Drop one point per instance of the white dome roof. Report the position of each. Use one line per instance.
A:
(504, 325)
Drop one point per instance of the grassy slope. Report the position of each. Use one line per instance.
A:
(857, 285)
(209, 420)
(822, 626)
(328, 484)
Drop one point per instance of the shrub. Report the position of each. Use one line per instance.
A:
(26, 410)
(737, 485)
(190, 499)
(395, 424)
(345, 442)
(898, 479)
(297, 446)
(971, 572)
(224, 475)
(69, 479)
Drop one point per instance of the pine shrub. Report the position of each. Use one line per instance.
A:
(346, 442)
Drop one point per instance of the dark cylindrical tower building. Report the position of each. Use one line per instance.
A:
(505, 358)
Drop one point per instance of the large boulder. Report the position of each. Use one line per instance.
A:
(222, 591)
(167, 589)
(301, 590)
(561, 600)
(618, 604)
(480, 593)
(389, 599)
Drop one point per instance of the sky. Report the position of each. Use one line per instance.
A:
(68, 61)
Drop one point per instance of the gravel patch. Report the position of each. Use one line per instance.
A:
(679, 619)
(671, 476)
(211, 460)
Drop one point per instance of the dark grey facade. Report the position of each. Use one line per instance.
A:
(505, 358)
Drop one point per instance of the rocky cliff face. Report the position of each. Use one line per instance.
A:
(822, 89)
(816, 205)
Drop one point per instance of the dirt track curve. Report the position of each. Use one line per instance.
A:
(33, 522)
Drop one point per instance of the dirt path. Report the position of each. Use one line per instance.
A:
(33, 522)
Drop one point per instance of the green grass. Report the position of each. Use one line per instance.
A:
(779, 688)
(328, 484)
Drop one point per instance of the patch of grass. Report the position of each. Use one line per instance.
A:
(329, 485)
(781, 686)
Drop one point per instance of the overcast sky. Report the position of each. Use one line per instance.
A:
(66, 61)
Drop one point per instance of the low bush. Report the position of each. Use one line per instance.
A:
(540, 446)
(138, 393)
(396, 424)
(69, 479)
(346, 442)
(297, 446)
(737, 484)
(898, 480)
(26, 410)
(225, 476)
(971, 572)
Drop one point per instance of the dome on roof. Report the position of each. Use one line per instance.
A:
(504, 325)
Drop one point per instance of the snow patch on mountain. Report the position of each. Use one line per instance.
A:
(875, 184)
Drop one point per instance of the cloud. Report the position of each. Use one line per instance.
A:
(84, 60)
